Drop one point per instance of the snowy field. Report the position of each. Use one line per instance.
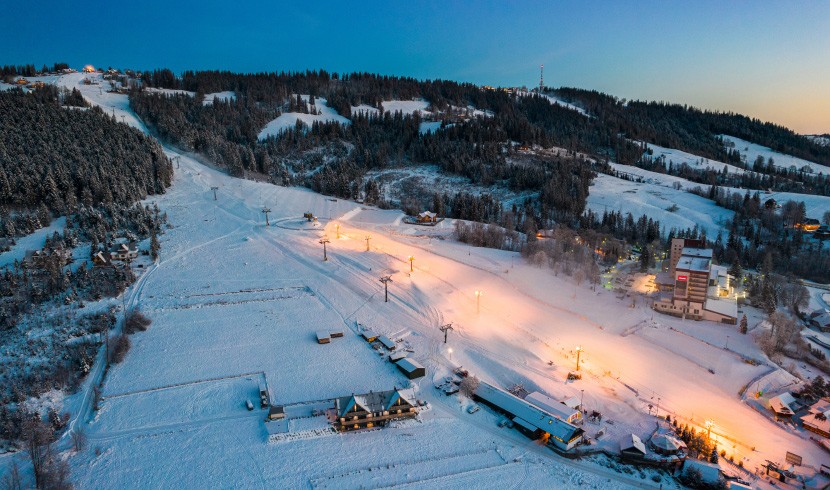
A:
(750, 151)
(678, 157)
(288, 120)
(222, 96)
(656, 201)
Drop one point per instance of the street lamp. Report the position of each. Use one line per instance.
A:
(368, 237)
(578, 351)
(478, 301)
(450, 351)
(411, 264)
(337, 227)
(709, 424)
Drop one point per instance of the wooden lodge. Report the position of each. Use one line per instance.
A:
(374, 409)
(427, 217)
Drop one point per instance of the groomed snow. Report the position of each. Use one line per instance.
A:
(223, 96)
(407, 107)
(169, 91)
(677, 157)
(750, 151)
(288, 120)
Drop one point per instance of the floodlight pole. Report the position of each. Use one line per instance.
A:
(214, 189)
(368, 237)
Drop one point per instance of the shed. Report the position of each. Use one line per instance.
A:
(397, 356)
(411, 368)
(323, 337)
(369, 335)
(632, 446)
(336, 332)
(387, 342)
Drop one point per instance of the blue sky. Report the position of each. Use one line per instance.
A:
(766, 59)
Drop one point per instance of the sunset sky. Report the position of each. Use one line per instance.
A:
(766, 59)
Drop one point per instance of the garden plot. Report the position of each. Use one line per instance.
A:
(201, 401)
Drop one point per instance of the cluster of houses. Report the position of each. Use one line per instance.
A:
(695, 288)
(817, 418)
(121, 252)
(39, 258)
(411, 368)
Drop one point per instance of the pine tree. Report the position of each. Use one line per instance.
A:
(744, 325)
(154, 245)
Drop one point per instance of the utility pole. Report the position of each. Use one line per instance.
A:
(214, 189)
(446, 328)
(386, 280)
(368, 237)
(266, 211)
(324, 241)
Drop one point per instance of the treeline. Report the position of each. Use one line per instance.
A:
(29, 70)
(59, 158)
(760, 230)
(690, 129)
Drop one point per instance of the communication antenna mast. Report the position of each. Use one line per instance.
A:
(541, 78)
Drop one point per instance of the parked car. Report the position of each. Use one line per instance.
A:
(249, 405)
(473, 409)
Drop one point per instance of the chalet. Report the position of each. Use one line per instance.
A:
(374, 409)
(633, 448)
(531, 420)
(782, 405)
(554, 407)
(821, 321)
(809, 225)
(123, 252)
(101, 259)
(369, 336)
(818, 420)
(323, 337)
(22, 81)
(276, 412)
(387, 343)
(427, 217)
(411, 368)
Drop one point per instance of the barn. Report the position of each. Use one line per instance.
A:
(411, 368)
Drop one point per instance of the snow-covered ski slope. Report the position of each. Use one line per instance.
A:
(233, 300)
(288, 120)
(751, 151)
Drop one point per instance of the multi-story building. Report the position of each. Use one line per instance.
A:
(695, 288)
